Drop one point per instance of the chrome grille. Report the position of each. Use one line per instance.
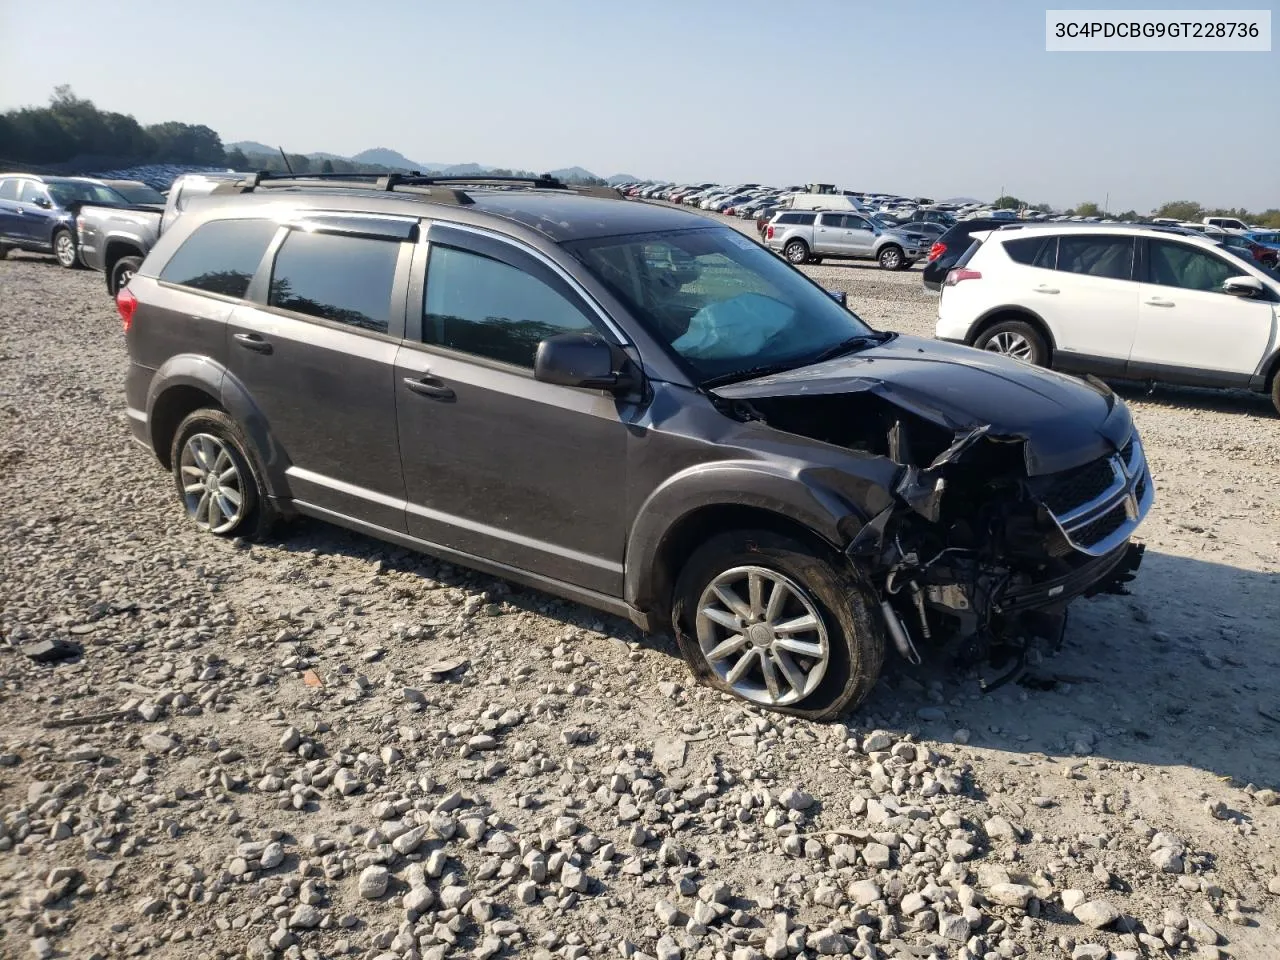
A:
(1099, 505)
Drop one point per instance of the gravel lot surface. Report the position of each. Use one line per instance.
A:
(323, 746)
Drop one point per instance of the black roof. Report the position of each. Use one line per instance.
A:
(564, 216)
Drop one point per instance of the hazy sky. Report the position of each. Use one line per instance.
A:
(927, 97)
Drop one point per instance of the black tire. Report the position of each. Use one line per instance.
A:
(123, 266)
(257, 515)
(65, 250)
(1006, 332)
(854, 636)
(815, 259)
(1275, 391)
(4, 251)
(796, 252)
(891, 257)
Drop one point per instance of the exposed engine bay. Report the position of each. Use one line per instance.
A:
(986, 541)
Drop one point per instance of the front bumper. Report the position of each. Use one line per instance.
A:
(1105, 574)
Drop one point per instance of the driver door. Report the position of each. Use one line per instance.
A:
(861, 235)
(498, 465)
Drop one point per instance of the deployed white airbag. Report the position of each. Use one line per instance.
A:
(733, 328)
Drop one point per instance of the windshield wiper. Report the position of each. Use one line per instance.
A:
(750, 373)
(851, 344)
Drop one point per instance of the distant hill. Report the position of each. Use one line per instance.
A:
(386, 157)
(621, 178)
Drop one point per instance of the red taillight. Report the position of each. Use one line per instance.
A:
(937, 250)
(126, 303)
(961, 273)
(768, 234)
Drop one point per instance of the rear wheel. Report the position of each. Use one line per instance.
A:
(64, 249)
(1275, 391)
(1016, 339)
(796, 251)
(4, 251)
(218, 485)
(769, 619)
(122, 272)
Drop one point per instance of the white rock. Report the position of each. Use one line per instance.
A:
(1097, 913)
(373, 882)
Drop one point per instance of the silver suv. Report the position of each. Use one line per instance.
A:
(806, 236)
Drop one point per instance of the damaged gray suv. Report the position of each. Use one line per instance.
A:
(624, 405)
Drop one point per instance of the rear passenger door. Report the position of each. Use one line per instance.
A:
(1083, 286)
(829, 235)
(8, 206)
(315, 350)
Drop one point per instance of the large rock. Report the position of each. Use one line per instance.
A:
(1097, 913)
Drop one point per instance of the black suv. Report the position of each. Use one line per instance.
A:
(626, 405)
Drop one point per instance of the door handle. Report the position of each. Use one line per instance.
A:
(1158, 302)
(429, 387)
(1044, 289)
(254, 342)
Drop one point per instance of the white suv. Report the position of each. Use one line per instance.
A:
(1118, 300)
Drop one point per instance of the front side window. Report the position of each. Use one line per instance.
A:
(491, 309)
(335, 277)
(833, 220)
(1188, 267)
(220, 256)
(1097, 256)
(856, 223)
(733, 307)
(33, 192)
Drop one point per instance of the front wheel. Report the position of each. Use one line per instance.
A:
(796, 251)
(122, 272)
(216, 480)
(773, 621)
(1016, 339)
(891, 258)
(64, 249)
(1275, 392)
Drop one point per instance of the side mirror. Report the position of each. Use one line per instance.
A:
(1242, 287)
(579, 360)
(839, 296)
(43, 202)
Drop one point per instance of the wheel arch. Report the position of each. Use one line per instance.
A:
(1007, 312)
(693, 505)
(117, 249)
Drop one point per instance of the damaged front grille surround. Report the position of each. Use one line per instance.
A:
(1100, 523)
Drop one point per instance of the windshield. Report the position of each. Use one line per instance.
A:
(63, 192)
(140, 193)
(723, 303)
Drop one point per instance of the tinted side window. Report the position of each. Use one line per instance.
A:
(334, 277)
(1182, 265)
(221, 256)
(1048, 255)
(856, 223)
(1097, 256)
(9, 189)
(1024, 251)
(833, 220)
(491, 309)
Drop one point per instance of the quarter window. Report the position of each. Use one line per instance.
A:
(1182, 265)
(1026, 250)
(1097, 256)
(220, 256)
(491, 309)
(334, 277)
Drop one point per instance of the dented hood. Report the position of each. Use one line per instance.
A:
(1063, 422)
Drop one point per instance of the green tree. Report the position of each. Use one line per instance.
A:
(1012, 203)
(1181, 210)
(327, 166)
(236, 159)
(1088, 209)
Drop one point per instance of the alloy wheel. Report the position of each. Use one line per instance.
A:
(762, 635)
(212, 487)
(1011, 345)
(65, 249)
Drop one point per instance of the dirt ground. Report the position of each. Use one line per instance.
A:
(324, 746)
